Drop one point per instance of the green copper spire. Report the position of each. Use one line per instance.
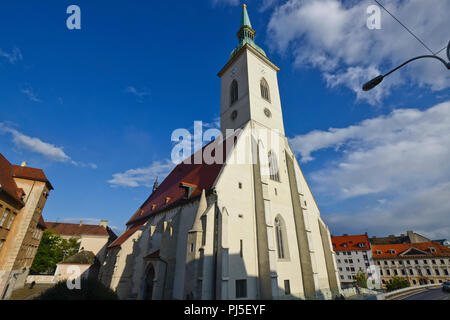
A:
(245, 20)
(246, 34)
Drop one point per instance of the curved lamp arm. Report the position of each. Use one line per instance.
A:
(377, 80)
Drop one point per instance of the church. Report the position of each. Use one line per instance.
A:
(243, 226)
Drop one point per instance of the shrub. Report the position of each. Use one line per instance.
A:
(397, 283)
(91, 289)
(361, 279)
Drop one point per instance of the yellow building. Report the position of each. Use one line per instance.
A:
(23, 193)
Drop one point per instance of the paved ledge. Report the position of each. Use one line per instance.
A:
(406, 291)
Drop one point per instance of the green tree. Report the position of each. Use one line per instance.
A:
(52, 249)
(397, 283)
(361, 279)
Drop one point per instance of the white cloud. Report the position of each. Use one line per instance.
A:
(48, 150)
(426, 211)
(333, 37)
(385, 154)
(29, 92)
(36, 145)
(394, 169)
(215, 124)
(143, 176)
(139, 94)
(12, 57)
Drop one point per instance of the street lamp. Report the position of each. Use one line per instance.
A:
(377, 80)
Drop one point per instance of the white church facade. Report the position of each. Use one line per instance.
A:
(243, 227)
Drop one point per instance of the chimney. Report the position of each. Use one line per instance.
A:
(104, 223)
(23, 164)
(81, 223)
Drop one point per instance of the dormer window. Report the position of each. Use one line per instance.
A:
(392, 251)
(378, 251)
(433, 250)
(233, 92)
(188, 189)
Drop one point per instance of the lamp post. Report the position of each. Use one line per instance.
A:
(377, 80)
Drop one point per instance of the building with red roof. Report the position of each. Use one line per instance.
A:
(419, 263)
(235, 220)
(353, 255)
(23, 194)
(93, 238)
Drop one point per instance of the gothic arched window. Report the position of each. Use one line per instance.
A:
(265, 92)
(233, 92)
(280, 235)
(273, 166)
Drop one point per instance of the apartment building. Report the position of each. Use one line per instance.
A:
(23, 194)
(353, 255)
(419, 263)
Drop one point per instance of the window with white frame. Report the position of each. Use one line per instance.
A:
(4, 215)
(11, 220)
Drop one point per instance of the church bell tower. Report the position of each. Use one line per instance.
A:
(249, 85)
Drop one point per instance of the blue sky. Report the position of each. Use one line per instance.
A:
(95, 108)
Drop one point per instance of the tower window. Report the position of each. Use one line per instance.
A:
(273, 167)
(287, 287)
(241, 249)
(280, 235)
(233, 92)
(241, 288)
(234, 115)
(265, 93)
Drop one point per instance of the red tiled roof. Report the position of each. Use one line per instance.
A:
(7, 182)
(201, 176)
(128, 233)
(198, 176)
(73, 229)
(30, 173)
(350, 242)
(385, 249)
